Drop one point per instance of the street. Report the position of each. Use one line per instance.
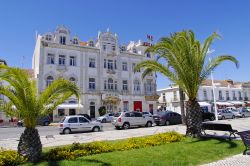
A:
(9, 136)
(15, 132)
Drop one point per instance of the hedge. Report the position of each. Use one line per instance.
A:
(78, 150)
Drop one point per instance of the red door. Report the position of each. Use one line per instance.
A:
(138, 106)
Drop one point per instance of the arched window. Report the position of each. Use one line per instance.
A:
(75, 41)
(49, 80)
(72, 79)
(91, 43)
(48, 37)
(92, 103)
(137, 86)
(110, 83)
(134, 50)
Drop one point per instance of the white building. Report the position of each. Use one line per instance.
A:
(227, 93)
(102, 68)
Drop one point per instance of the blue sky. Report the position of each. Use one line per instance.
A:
(131, 20)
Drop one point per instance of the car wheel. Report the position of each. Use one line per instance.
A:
(243, 116)
(149, 124)
(223, 117)
(96, 129)
(46, 123)
(212, 118)
(104, 121)
(66, 131)
(167, 123)
(233, 117)
(126, 126)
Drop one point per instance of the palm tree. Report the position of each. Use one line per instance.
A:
(25, 103)
(186, 66)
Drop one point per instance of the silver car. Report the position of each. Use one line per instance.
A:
(106, 118)
(225, 114)
(127, 119)
(78, 123)
(243, 112)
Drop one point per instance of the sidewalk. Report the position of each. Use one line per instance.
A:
(237, 160)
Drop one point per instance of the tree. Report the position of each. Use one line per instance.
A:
(25, 102)
(185, 63)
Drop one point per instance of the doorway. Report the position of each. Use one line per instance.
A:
(72, 111)
(92, 109)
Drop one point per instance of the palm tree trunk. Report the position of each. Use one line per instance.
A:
(193, 118)
(183, 115)
(30, 145)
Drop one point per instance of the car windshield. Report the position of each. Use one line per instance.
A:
(62, 120)
(117, 114)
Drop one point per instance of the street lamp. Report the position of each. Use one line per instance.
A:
(215, 105)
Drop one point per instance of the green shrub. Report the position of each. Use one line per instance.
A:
(11, 158)
(77, 150)
(102, 110)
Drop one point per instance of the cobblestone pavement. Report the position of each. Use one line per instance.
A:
(237, 160)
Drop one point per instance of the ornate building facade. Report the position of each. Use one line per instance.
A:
(102, 68)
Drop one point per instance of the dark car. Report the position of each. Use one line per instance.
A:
(86, 116)
(43, 121)
(167, 118)
(207, 116)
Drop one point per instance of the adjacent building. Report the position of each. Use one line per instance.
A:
(102, 68)
(227, 94)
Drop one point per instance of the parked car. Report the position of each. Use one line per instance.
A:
(106, 118)
(207, 116)
(43, 121)
(126, 120)
(86, 116)
(167, 118)
(243, 112)
(225, 114)
(77, 123)
(146, 113)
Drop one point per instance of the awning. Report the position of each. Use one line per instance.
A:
(204, 104)
(237, 102)
(69, 105)
(224, 103)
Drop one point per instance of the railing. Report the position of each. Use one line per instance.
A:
(61, 67)
(111, 71)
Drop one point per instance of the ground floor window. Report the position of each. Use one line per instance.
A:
(61, 112)
(125, 106)
(72, 111)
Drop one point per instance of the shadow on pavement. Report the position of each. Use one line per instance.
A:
(58, 163)
(220, 139)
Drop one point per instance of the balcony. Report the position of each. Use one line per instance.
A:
(125, 92)
(61, 67)
(221, 98)
(111, 71)
(240, 98)
(234, 98)
(246, 98)
(228, 98)
(111, 53)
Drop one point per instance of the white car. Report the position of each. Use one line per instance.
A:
(78, 123)
(106, 118)
(127, 119)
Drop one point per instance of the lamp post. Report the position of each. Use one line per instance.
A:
(212, 78)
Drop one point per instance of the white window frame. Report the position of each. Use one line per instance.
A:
(72, 61)
(92, 84)
(61, 60)
(92, 62)
(50, 59)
